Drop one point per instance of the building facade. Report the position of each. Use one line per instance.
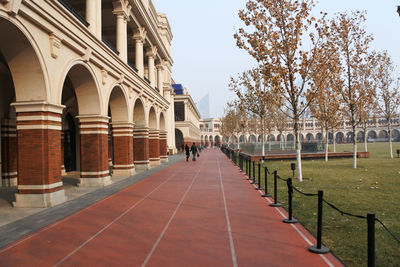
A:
(376, 131)
(82, 83)
(210, 132)
(187, 118)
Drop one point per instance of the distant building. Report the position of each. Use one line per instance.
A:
(210, 132)
(187, 118)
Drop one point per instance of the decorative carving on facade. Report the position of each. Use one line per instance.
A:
(55, 45)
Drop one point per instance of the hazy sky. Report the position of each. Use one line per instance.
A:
(205, 54)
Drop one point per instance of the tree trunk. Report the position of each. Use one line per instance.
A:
(298, 150)
(390, 139)
(326, 144)
(354, 147)
(365, 137)
(262, 140)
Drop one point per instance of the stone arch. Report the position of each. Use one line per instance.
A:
(360, 136)
(372, 135)
(383, 135)
(118, 105)
(271, 138)
(139, 117)
(301, 136)
(162, 122)
(259, 139)
(153, 119)
(179, 141)
(280, 137)
(349, 137)
(252, 138)
(24, 62)
(309, 137)
(319, 137)
(85, 86)
(339, 137)
(395, 135)
(290, 137)
(242, 139)
(217, 140)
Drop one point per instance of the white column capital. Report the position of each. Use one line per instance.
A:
(122, 8)
(151, 52)
(140, 34)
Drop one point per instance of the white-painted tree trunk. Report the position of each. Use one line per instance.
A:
(365, 139)
(354, 149)
(298, 159)
(326, 144)
(390, 140)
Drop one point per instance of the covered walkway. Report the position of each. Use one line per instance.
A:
(201, 213)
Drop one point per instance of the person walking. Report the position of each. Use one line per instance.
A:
(194, 151)
(187, 152)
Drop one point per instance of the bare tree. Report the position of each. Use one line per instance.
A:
(254, 93)
(388, 95)
(352, 43)
(327, 104)
(276, 31)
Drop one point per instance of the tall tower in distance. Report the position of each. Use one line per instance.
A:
(204, 106)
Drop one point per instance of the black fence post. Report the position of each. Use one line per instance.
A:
(371, 239)
(290, 197)
(259, 177)
(266, 183)
(319, 249)
(248, 168)
(275, 204)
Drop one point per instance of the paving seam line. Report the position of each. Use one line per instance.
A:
(170, 219)
(233, 253)
(51, 225)
(327, 261)
(115, 220)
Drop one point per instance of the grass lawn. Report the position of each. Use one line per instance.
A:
(373, 187)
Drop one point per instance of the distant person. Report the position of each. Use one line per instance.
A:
(194, 151)
(187, 152)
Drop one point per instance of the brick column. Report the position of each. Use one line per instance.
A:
(163, 146)
(39, 155)
(154, 147)
(94, 151)
(141, 148)
(123, 149)
(63, 172)
(8, 153)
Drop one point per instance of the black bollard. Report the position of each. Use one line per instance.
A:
(275, 204)
(254, 173)
(248, 168)
(266, 183)
(371, 239)
(290, 198)
(319, 249)
(259, 177)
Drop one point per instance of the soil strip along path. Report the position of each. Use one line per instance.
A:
(201, 213)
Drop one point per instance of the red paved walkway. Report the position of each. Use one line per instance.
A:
(200, 213)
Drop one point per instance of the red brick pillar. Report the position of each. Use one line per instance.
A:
(123, 149)
(163, 146)
(63, 172)
(141, 148)
(94, 151)
(39, 155)
(8, 153)
(154, 147)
